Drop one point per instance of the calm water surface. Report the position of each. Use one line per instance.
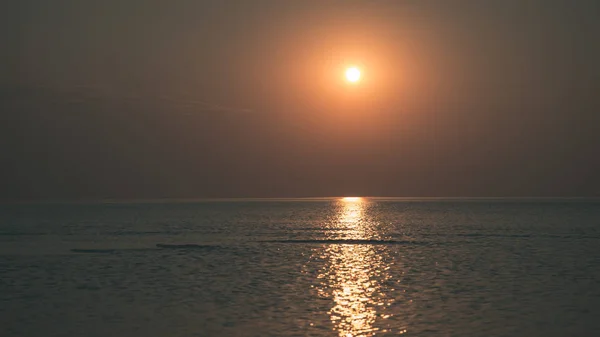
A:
(363, 267)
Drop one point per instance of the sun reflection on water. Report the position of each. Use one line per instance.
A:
(354, 274)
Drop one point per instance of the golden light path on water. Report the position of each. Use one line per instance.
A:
(354, 274)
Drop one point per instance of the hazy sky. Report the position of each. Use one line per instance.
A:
(152, 99)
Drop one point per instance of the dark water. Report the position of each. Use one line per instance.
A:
(301, 268)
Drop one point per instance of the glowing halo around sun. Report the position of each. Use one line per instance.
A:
(353, 74)
(352, 199)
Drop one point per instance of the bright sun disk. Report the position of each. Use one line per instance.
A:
(353, 74)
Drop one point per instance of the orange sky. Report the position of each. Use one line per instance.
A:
(241, 98)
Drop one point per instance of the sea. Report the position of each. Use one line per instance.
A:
(301, 267)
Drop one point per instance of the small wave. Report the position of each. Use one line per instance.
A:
(495, 235)
(475, 235)
(184, 246)
(127, 233)
(94, 251)
(157, 248)
(319, 229)
(110, 250)
(533, 236)
(351, 242)
(21, 234)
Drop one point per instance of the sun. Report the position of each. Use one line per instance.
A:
(353, 74)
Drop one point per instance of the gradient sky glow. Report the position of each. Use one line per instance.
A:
(192, 99)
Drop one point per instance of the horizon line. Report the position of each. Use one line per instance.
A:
(256, 199)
